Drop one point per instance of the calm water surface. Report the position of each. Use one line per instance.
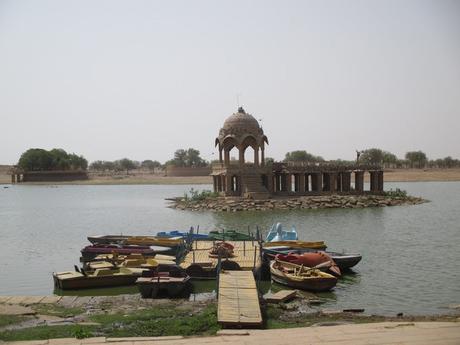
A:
(411, 256)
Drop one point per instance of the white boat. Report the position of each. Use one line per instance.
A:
(277, 233)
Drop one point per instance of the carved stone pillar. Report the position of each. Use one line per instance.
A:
(359, 181)
(262, 161)
(301, 183)
(380, 181)
(346, 181)
(256, 157)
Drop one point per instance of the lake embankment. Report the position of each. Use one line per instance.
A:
(391, 175)
(26, 318)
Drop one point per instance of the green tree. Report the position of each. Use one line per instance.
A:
(97, 165)
(126, 164)
(150, 165)
(389, 159)
(60, 159)
(180, 157)
(36, 160)
(372, 156)
(302, 156)
(416, 158)
(190, 157)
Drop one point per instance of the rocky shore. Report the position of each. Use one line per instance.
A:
(222, 204)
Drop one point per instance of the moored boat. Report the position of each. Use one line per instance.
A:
(137, 240)
(320, 245)
(89, 252)
(319, 260)
(183, 234)
(170, 281)
(301, 277)
(104, 277)
(344, 260)
(277, 233)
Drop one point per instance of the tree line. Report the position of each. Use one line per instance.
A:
(36, 159)
(375, 156)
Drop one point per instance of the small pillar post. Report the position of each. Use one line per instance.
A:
(346, 181)
(301, 178)
(359, 181)
(380, 181)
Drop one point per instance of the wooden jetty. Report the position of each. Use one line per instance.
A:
(199, 264)
(238, 300)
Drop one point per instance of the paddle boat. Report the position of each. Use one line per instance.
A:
(277, 233)
(184, 234)
(103, 277)
(301, 277)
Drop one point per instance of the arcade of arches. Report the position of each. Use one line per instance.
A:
(236, 177)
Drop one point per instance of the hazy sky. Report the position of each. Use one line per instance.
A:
(139, 79)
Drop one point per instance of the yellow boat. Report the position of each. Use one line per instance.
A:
(155, 241)
(297, 244)
(103, 277)
(129, 261)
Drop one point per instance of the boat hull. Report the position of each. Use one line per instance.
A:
(93, 282)
(323, 282)
(152, 287)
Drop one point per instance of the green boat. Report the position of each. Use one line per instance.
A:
(230, 235)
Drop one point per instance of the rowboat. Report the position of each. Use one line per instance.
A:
(319, 260)
(345, 261)
(103, 277)
(170, 281)
(89, 252)
(277, 233)
(320, 245)
(137, 240)
(301, 277)
(129, 261)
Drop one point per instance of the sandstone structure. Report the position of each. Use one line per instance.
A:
(257, 180)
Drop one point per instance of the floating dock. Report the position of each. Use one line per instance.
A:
(199, 264)
(238, 300)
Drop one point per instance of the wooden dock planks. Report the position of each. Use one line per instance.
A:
(244, 254)
(238, 303)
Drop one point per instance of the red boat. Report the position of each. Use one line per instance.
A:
(319, 259)
(90, 252)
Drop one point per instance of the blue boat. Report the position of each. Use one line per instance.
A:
(185, 234)
(277, 233)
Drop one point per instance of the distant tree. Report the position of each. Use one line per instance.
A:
(61, 160)
(77, 162)
(416, 158)
(109, 166)
(389, 159)
(36, 160)
(55, 159)
(371, 156)
(126, 164)
(97, 165)
(302, 156)
(190, 157)
(150, 165)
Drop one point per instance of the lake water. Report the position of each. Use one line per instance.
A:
(411, 256)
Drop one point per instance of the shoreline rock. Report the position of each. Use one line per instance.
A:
(232, 204)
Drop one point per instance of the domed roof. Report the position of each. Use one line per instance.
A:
(242, 120)
(239, 125)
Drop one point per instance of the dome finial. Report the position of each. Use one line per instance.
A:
(241, 110)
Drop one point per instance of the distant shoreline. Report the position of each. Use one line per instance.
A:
(391, 175)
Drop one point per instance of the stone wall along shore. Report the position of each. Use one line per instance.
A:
(289, 203)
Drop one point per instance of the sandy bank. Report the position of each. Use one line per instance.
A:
(391, 175)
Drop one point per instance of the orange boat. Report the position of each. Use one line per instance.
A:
(318, 259)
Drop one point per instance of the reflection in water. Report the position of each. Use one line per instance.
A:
(405, 249)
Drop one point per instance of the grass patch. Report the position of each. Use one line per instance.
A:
(56, 310)
(47, 332)
(161, 321)
(6, 320)
(158, 321)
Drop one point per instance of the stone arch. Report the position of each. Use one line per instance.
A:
(246, 142)
(227, 145)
